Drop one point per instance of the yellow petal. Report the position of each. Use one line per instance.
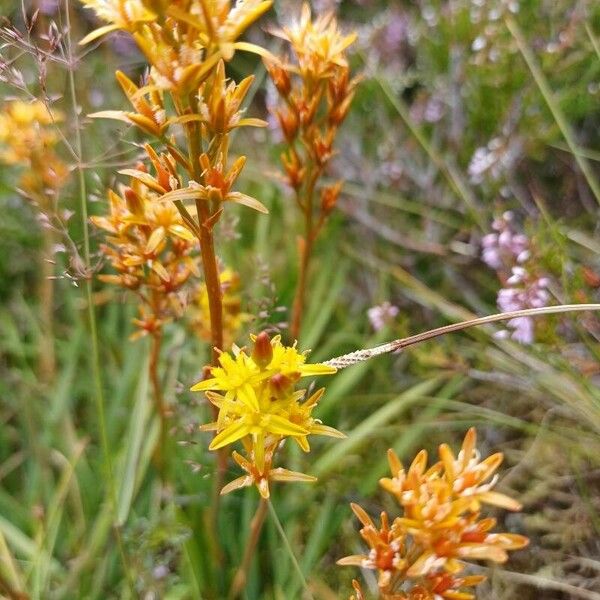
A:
(156, 238)
(281, 426)
(247, 395)
(508, 541)
(251, 122)
(356, 560)
(244, 199)
(448, 459)
(242, 24)
(281, 474)
(182, 232)
(160, 270)
(363, 517)
(144, 178)
(501, 500)
(395, 463)
(182, 194)
(119, 115)
(302, 442)
(482, 552)
(208, 427)
(326, 430)
(248, 47)
(94, 35)
(206, 384)
(233, 433)
(236, 484)
(422, 565)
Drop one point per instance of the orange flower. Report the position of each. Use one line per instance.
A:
(151, 249)
(421, 553)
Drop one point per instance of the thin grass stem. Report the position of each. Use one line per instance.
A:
(91, 313)
(353, 358)
(241, 576)
(557, 113)
(289, 549)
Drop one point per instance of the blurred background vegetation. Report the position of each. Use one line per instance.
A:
(467, 109)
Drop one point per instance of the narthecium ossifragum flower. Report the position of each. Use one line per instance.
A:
(316, 92)
(28, 140)
(152, 251)
(259, 405)
(420, 555)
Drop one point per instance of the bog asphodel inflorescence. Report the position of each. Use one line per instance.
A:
(151, 250)
(186, 44)
(28, 139)
(259, 405)
(186, 91)
(422, 554)
(316, 90)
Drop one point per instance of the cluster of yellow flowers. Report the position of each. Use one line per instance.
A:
(419, 556)
(152, 251)
(316, 92)
(28, 139)
(260, 406)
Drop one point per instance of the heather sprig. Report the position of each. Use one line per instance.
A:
(511, 255)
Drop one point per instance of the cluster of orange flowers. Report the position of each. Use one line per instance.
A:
(316, 92)
(28, 139)
(259, 405)
(419, 556)
(152, 251)
(186, 44)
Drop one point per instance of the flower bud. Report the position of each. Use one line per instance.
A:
(262, 354)
(282, 384)
(281, 79)
(329, 196)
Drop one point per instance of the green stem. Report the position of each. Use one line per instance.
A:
(159, 404)
(289, 549)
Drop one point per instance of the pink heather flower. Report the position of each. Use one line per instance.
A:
(381, 315)
(522, 329)
(522, 291)
(504, 247)
(507, 251)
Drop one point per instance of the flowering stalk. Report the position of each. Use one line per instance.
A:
(154, 256)
(421, 554)
(316, 92)
(259, 406)
(187, 43)
(353, 358)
